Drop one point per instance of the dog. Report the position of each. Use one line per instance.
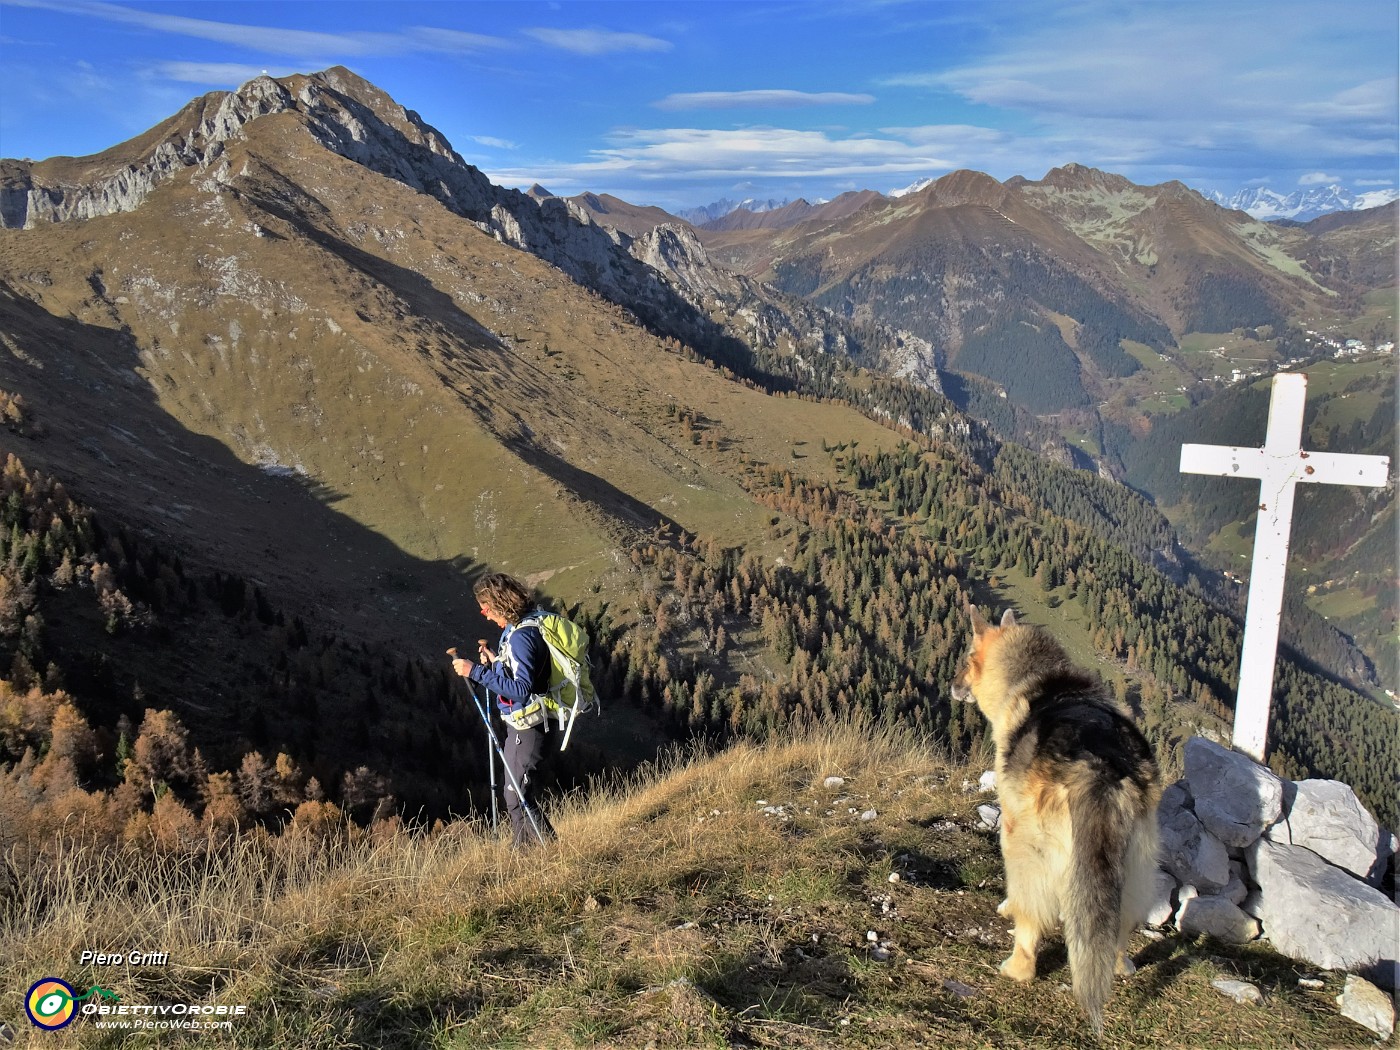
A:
(1079, 786)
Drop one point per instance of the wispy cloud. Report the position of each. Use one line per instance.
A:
(649, 155)
(454, 41)
(494, 143)
(760, 99)
(597, 41)
(278, 40)
(642, 161)
(1202, 84)
(217, 74)
(1318, 178)
(270, 39)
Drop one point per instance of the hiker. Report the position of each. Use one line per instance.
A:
(518, 672)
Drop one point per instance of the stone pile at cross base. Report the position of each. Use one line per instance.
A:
(1248, 854)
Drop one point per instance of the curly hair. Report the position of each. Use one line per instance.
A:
(505, 594)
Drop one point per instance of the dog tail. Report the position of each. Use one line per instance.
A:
(1093, 904)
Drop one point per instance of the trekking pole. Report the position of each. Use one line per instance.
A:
(491, 769)
(528, 809)
(490, 756)
(496, 744)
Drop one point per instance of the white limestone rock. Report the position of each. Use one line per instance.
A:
(1320, 914)
(1218, 918)
(1326, 817)
(1242, 992)
(1362, 1002)
(1163, 905)
(1234, 797)
(1190, 852)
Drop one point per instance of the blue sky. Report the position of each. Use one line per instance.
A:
(680, 104)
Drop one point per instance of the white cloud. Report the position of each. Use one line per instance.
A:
(776, 98)
(640, 161)
(494, 143)
(1371, 101)
(597, 41)
(217, 74)
(759, 153)
(273, 40)
(1318, 178)
(952, 137)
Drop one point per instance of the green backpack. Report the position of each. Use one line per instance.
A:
(570, 692)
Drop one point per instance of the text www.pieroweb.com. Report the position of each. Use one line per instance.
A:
(187, 1018)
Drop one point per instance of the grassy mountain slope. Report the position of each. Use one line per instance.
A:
(1196, 266)
(711, 902)
(440, 390)
(1361, 245)
(291, 376)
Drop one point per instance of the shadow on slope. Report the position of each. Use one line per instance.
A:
(370, 621)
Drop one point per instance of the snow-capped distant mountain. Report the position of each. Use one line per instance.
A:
(913, 187)
(720, 208)
(1301, 205)
(1261, 203)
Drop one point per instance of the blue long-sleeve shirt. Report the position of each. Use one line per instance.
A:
(530, 657)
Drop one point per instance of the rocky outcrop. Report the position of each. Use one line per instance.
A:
(770, 320)
(1320, 913)
(120, 179)
(1249, 853)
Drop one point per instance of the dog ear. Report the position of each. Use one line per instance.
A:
(1008, 618)
(979, 625)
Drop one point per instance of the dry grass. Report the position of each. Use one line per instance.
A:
(712, 901)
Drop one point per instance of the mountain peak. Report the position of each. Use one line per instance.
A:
(720, 208)
(341, 110)
(913, 187)
(1081, 177)
(963, 187)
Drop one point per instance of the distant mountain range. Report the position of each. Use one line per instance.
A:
(1259, 202)
(1040, 285)
(720, 208)
(1302, 205)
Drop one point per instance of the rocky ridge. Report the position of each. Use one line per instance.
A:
(674, 288)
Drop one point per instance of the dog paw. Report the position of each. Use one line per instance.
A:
(1126, 967)
(1018, 968)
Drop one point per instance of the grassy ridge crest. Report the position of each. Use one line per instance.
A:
(710, 900)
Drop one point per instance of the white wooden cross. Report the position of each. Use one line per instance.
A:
(1279, 465)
